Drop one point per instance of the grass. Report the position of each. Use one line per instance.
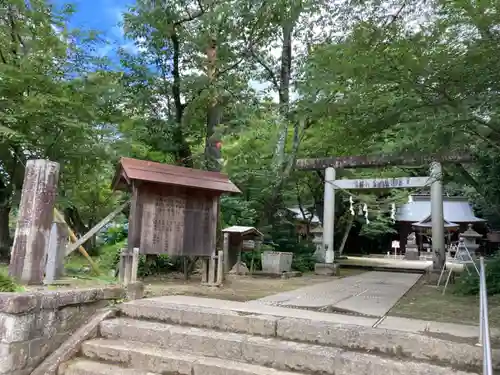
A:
(235, 288)
(80, 275)
(425, 301)
(75, 277)
(6, 283)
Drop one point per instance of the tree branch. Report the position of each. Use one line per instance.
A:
(272, 75)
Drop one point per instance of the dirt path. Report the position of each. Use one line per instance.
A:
(241, 288)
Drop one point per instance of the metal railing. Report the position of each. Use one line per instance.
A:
(484, 327)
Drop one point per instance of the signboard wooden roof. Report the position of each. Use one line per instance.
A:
(129, 170)
(243, 230)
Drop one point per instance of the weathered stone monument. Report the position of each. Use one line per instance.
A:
(411, 247)
(34, 223)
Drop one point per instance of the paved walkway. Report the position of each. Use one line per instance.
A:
(370, 294)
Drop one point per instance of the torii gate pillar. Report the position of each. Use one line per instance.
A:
(329, 215)
(437, 216)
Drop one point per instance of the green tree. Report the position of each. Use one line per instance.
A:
(189, 75)
(54, 97)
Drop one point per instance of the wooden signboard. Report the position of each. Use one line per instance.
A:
(177, 223)
(174, 210)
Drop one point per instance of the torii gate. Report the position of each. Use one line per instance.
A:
(434, 180)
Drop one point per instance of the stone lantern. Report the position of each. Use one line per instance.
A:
(319, 253)
(470, 237)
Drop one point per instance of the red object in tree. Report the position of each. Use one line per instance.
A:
(218, 145)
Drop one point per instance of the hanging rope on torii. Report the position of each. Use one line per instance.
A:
(434, 180)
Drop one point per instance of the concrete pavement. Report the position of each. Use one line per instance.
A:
(370, 294)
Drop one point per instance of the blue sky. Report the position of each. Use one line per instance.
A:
(103, 16)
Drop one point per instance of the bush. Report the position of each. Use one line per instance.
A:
(157, 265)
(468, 284)
(7, 284)
(110, 255)
(286, 239)
(148, 266)
(246, 257)
(303, 262)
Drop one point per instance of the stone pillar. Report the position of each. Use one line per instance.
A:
(204, 270)
(36, 211)
(123, 265)
(329, 215)
(220, 267)
(135, 265)
(54, 269)
(438, 248)
(129, 265)
(212, 269)
(227, 266)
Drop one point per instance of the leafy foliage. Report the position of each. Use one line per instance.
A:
(7, 284)
(236, 211)
(468, 284)
(247, 87)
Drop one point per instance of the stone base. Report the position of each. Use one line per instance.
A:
(326, 269)
(432, 276)
(412, 254)
(283, 275)
(135, 290)
(287, 275)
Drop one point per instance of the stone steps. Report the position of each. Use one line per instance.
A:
(326, 329)
(151, 358)
(181, 335)
(87, 367)
(244, 348)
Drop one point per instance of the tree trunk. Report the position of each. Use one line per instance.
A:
(346, 235)
(183, 152)
(212, 151)
(5, 239)
(75, 221)
(5, 207)
(284, 95)
(279, 167)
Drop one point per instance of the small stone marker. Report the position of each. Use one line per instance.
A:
(36, 211)
(220, 267)
(54, 269)
(212, 273)
(129, 265)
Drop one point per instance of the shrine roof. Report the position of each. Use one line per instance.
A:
(427, 223)
(455, 210)
(129, 170)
